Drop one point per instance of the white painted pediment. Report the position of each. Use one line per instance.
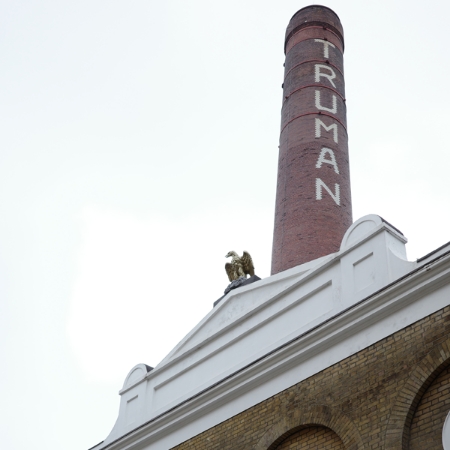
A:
(264, 320)
(236, 306)
(257, 317)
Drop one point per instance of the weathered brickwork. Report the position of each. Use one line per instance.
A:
(312, 438)
(430, 415)
(313, 207)
(391, 395)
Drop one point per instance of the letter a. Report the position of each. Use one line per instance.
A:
(323, 160)
(324, 108)
(330, 77)
(333, 127)
(337, 193)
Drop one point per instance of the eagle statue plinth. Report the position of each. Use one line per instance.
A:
(240, 266)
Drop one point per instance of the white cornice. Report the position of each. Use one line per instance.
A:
(410, 298)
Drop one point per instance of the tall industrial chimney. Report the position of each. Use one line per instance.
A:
(313, 204)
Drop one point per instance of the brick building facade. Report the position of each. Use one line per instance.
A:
(394, 394)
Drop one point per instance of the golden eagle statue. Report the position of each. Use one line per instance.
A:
(239, 266)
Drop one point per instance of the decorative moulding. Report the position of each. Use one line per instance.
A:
(266, 336)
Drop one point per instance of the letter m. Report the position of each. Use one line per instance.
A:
(333, 127)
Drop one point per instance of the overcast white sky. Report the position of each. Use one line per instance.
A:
(138, 146)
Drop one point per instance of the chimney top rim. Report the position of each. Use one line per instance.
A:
(316, 6)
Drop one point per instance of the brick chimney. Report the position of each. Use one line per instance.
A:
(313, 204)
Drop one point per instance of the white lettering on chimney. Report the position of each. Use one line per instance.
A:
(323, 160)
(326, 45)
(336, 196)
(324, 108)
(333, 127)
(330, 77)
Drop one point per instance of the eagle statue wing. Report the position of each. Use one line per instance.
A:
(230, 271)
(247, 264)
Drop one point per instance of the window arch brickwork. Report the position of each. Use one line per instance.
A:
(429, 417)
(399, 426)
(321, 415)
(312, 438)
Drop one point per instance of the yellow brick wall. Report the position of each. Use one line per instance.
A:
(392, 395)
(312, 438)
(430, 415)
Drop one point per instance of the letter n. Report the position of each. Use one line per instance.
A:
(336, 196)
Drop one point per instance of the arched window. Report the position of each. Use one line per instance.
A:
(313, 436)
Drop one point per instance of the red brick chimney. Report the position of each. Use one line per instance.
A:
(313, 205)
